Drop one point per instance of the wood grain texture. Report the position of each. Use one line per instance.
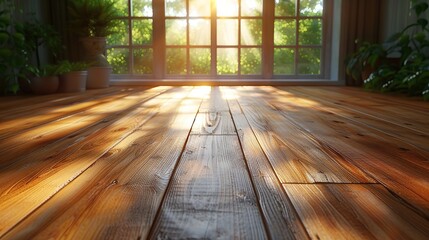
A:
(213, 123)
(117, 197)
(138, 163)
(44, 134)
(210, 195)
(399, 166)
(296, 156)
(338, 107)
(281, 219)
(355, 211)
(33, 190)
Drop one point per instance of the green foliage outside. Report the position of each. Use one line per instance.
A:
(228, 60)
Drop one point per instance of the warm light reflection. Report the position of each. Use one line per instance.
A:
(201, 92)
(227, 8)
(229, 93)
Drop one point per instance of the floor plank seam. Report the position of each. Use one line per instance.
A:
(252, 181)
(170, 181)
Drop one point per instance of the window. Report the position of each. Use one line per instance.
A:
(220, 39)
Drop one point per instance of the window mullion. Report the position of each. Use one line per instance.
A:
(268, 39)
(159, 43)
(213, 48)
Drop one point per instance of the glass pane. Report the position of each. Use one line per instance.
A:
(310, 32)
(251, 7)
(120, 35)
(227, 32)
(251, 31)
(199, 8)
(200, 60)
(284, 32)
(176, 60)
(122, 7)
(142, 8)
(284, 61)
(285, 8)
(143, 61)
(142, 31)
(311, 8)
(199, 32)
(227, 8)
(118, 59)
(251, 61)
(227, 61)
(175, 31)
(175, 8)
(309, 61)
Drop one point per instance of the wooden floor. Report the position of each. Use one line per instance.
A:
(214, 163)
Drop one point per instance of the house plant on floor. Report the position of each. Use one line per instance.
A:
(12, 45)
(93, 21)
(72, 76)
(42, 79)
(410, 73)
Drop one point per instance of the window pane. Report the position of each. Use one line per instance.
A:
(227, 8)
(227, 61)
(200, 60)
(227, 32)
(175, 8)
(251, 31)
(310, 32)
(176, 60)
(199, 32)
(122, 7)
(309, 61)
(284, 32)
(142, 32)
(142, 8)
(284, 61)
(143, 61)
(118, 59)
(199, 8)
(175, 31)
(311, 7)
(120, 35)
(251, 7)
(251, 61)
(285, 8)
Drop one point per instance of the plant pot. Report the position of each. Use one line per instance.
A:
(98, 77)
(93, 51)
(73, 81)
(44, 85)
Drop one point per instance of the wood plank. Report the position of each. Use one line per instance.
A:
(393, 113)
(33, 116)
(296, 156)
(214, 102)
(213, 123)
(418, 139)
(281, 219)
(357, 211)
(119, 195)
(44, 134)
(211, 194)
(62, 169)
(400, 167)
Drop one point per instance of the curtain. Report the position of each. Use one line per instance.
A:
(360, 19)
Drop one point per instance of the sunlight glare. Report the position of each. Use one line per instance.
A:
(227, 8)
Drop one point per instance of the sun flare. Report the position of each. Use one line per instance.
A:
(227, 8)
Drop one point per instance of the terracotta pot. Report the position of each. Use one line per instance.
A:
(44, 85)
(98, 77)
(73, 81)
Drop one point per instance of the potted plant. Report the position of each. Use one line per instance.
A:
(73, 76)
(39, 77)
(93, 21)
(410, 73)
(44, 79)
(12, 45)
